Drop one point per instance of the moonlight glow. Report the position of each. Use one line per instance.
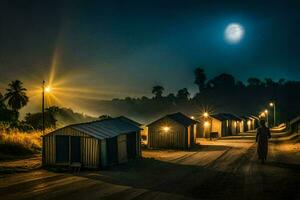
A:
(234, 32)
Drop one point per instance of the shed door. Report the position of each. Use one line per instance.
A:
(75, 149)
(62, 149)
(122, 149)
(131, 145)
(112, 150)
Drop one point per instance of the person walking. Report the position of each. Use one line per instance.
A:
(262, 136)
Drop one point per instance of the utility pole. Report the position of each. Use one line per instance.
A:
(43, 108)
(272, 104)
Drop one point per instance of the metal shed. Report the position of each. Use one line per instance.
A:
(225, 124)
(295, 125)
(94, 144)
(173, 131)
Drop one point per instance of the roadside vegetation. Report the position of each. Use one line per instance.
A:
(14, 143)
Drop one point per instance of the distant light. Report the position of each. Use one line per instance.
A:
(206, 124)
(48, 89)
(234, 32)
(271, 104)
(266, 111)
(205, 114)
(192, 117)
(166, 128)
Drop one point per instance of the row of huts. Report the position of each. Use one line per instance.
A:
(227, 124)
(179, 131)
(102, 143)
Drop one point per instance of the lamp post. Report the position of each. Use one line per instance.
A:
(272, 104)
(267, 113)
(206, 124)
(43, 108)
(44, 90)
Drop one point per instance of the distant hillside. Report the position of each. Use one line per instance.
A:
(66, 116)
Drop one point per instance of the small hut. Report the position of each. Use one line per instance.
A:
(255, 121)
(224, 124)
(217, 123)
(295, 125)
(173, 131)
(96, 144)
(234, 123)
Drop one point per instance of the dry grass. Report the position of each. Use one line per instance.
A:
(16, 143)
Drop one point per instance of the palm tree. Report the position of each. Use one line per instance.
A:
(183, 95)
(16, 95)
(2, 104)
(200, 78)
(157, 91)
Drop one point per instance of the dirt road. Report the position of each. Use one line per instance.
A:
(223, 169)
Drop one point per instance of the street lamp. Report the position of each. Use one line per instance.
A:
(206, 124)
(43, 108)
(267, 113)
(272, 104)
(205, 114)
(47, 90)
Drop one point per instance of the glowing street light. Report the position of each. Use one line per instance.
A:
(192, 117)
(267, 113)
(205, 114)
(47, 90)
(43, 107)
(272, 104)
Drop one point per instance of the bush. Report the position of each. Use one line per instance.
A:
(18, 143)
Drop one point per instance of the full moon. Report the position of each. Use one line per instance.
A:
(234, 32)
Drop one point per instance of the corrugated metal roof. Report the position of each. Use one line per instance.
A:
(232, 116)
(178, 117)
(182, 119)
(225, 116)
(254, 117)
(296, 119)
(107, 128)
(219, 116)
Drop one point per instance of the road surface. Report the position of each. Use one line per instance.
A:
(223, 169)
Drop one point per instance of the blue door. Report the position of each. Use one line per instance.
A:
(75, 149)
(62, 149)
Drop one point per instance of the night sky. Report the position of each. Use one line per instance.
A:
(121, 48)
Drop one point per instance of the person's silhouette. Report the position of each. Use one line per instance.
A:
(262, 136)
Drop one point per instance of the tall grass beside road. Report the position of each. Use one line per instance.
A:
(14, 143)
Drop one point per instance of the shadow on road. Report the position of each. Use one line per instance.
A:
(289, 166)
(188, 180)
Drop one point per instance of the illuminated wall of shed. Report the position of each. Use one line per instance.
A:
(175, 138)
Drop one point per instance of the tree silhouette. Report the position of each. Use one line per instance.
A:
(2, 104)
(200, 78)
(255, 82)
(223, 81)
(16, 95)
(158, 91)
(183, 95)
